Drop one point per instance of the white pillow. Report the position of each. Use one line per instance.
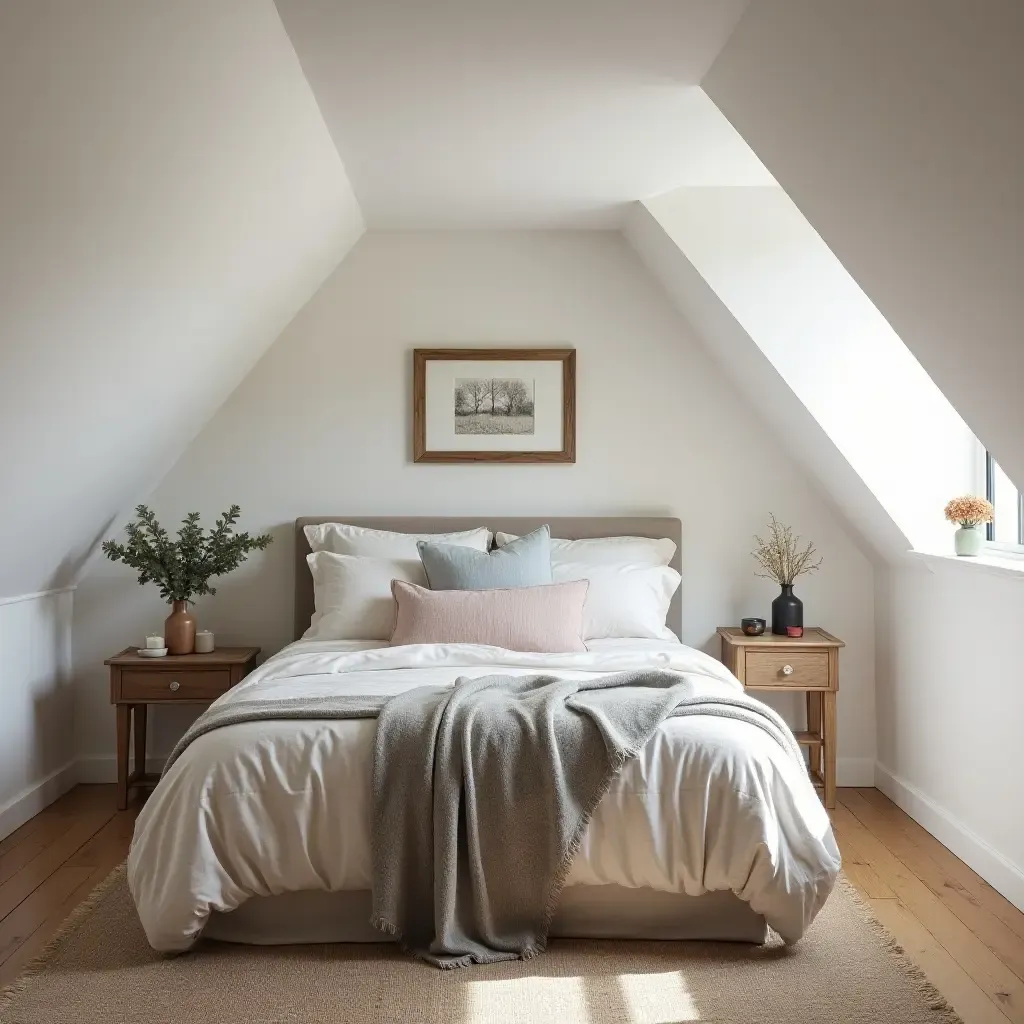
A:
(623, 600)
(343, 539)
(607, 550)
(631, 582)
(353, 595)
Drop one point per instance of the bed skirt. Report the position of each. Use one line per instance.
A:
(585, 912)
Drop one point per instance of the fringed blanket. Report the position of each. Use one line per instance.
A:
(482, 792)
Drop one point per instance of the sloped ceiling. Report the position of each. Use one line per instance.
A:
(530, 114)
(169, 198)
(897, 130)
(767, 393)
(170, 194)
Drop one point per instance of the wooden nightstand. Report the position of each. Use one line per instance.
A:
(136, 682)
(809, 664)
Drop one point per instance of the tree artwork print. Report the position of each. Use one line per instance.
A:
(494, 405)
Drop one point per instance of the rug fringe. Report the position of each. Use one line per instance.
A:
(936, 1000)
(71, 925)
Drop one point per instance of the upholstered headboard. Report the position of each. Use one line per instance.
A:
(568, 528)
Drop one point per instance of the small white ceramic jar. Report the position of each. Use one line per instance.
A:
(204, 642)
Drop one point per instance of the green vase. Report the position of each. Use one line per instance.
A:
(968, 541)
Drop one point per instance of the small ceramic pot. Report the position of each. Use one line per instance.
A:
(204, 642)
(752, 626)
(968, 541)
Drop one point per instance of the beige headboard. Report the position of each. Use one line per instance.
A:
(569, 528)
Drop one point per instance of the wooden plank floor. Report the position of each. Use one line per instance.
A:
(966, 937)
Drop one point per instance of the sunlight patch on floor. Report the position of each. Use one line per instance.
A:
(538, 1000)
(658, 998)
(647, 998)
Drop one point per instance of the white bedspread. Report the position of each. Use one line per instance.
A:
(263, 808)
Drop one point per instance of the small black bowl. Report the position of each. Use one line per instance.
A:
(752, 627)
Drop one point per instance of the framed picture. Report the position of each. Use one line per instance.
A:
(494, 405)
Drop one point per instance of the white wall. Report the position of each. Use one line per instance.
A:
(896, 128)
(950, 708)
(763, 388)
(169, 198)
(37, 744)
(322, 425)
(832, 347)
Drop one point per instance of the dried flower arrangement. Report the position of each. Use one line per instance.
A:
(781, 557)
(969, 511)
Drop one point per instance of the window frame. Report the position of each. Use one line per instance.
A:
(990, 529)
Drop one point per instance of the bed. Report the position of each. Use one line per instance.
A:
(259, 832)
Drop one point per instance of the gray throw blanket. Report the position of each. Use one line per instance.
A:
(483, 792)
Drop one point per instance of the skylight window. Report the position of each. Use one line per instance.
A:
(837, 353)
(1007, 531)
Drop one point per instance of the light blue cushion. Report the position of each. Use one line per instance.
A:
(525, 562)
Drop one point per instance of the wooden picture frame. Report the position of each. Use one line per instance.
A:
(496, 417)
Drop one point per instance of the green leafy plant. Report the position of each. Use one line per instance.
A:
(183, 568)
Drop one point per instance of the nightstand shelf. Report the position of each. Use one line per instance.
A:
(809, 739)
(807, 664)
(137, 682)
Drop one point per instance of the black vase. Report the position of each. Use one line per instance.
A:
(787, 610)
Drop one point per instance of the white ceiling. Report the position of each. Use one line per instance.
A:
(532, 113)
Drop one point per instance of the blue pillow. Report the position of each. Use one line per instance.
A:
(524, 562)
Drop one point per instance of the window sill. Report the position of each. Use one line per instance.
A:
(987, 562)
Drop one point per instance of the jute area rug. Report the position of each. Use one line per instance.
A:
(100, 970)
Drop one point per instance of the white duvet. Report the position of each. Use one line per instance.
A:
(263, 808)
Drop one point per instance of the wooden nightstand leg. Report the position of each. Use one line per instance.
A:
(828, 700)
(123, 730)
(814, 726)
(139, 714)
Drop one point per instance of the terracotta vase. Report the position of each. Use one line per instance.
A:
(180, 629)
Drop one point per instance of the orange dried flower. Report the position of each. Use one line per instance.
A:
(969, 510)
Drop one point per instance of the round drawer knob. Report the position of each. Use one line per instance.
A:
(174, 684)
(787, 670)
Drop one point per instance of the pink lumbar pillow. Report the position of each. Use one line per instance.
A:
(546, 619)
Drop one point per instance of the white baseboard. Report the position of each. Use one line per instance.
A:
(855, 771)
(1000, 872)
(31, 800)
(103, 767)
(97, 768)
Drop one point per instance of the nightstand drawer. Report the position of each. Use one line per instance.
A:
(174, 684)
(787, 668)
